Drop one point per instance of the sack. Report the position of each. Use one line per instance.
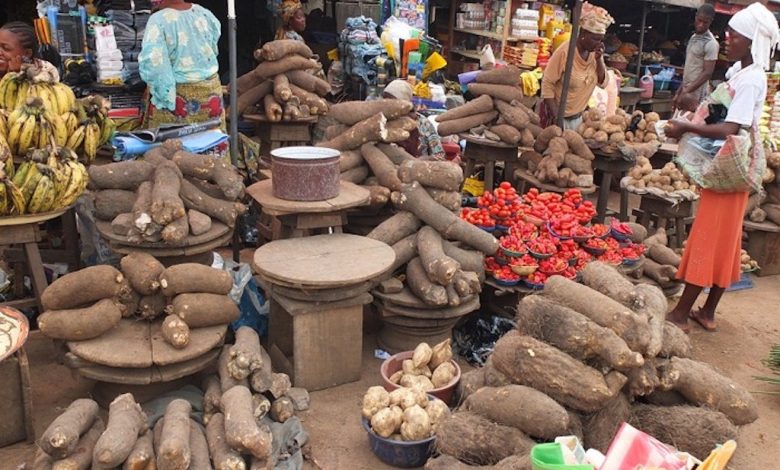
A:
(738, 166)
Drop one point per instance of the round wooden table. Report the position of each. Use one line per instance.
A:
(303, 218)
(488, 152)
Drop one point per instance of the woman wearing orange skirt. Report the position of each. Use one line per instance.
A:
(712, 251)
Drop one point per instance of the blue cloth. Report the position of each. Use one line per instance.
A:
(178, 47)
(127, 146)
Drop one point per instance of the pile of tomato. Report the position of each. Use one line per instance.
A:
(547, 234)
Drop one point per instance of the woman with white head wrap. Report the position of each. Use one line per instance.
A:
(712, 254)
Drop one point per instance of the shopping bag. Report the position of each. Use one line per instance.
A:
(631, 448)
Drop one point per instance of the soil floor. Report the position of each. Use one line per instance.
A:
(748, 326)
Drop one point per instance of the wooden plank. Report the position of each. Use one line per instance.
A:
(183, 369)
(280, 329)
(328, 347)
(206, 247)
(350, 196)
(202, 340)
(760, 226)
(14, 220)
(126, 345)
(323, 261)
(448, 312)
(15, 234)
(315, 295)
(217, 230)
(297, 307)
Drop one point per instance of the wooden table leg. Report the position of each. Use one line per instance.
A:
(71, 236)
(603, 200)
(490, 170)
(35, 267)
(623, 205)
(469, 167)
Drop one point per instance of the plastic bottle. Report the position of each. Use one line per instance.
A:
(646, 84)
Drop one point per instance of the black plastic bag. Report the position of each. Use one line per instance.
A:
(476, 338)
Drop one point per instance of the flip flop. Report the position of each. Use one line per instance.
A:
(694, 315)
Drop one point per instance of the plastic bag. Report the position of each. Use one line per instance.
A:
(631, 448)
(94, 250)
(250, 299)
(476, 338)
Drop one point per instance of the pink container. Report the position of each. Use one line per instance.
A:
(305, 173)
(393, 364)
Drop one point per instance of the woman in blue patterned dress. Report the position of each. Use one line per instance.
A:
(178, 62)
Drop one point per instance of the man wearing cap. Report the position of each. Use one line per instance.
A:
(588, 69)
(700, 57)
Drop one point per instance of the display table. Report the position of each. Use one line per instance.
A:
(671, 216)
(291, 219)
(611, 165)
(764, 246)
(319, 343)
(282, 133)
(488, 152)
(524, 178)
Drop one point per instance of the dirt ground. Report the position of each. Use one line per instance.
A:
(748, 326)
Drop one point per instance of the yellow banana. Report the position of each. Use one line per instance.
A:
(91, 141)
(76, 138)
(65, 97)
(107, 131)
(4, 201)
(5, 149)
(16, 197)
(49, 98)
(25, 137)
(3, 124)
(62, 177)
(76, 185)
(10, 93)
(14, 133)
(71, 122)
(15, 115)
(43, 191)
(34, 176)
(10, 171)
(21, 173)
(21, 93)
(35, 140)
(58, 128)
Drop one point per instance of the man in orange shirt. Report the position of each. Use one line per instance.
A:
(588, 69)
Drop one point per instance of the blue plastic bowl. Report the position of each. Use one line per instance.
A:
(621, 237)
(402, 454)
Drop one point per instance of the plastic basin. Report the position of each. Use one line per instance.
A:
(393, 364)
(549, 457)
(305, 173)
(402, 454)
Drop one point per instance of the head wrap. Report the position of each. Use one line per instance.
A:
(288, 9)
(399, 89)
(760, 26)
(595, 19)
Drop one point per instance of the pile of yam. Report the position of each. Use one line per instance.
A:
(167, 196)
(584, 359)
(283, 87)
(668, 179)
(765, 206)
(612, 132)
(660, 263)
(89, 302)
(429, 368)
(422, 231)
(404, 414)
(496, 113)
(560, 158)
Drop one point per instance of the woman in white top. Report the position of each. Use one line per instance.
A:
(712, 253)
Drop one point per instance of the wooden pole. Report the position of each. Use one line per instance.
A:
(575, 21)
(641, 43)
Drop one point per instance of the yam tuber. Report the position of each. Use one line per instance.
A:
(379, 196)
(226, 381)
(502, 92)
(566, 380)
(122, 224)
(469, 260)
(309, 82)
(222, 455)
(203, 309)
(658, 237)
(273, 110)
(520, 407)
(175, 332)
(602, 426)
(211, 169)
(451, 200)
(439, 267)
(126, 421)
(415, 199)
(43, 461)
(282, 91)
(270, 69)
(638, 232)
(194, 277)
(120, 175)
(395, 228)
(651, 302)
(578, 164)
(675, 342)
(316, 104)
(601, 309)
(509, 75)
(422, 287)
(352, 112)
(514, 116)
(404, 122)
(350, 159)
(395, 153)
(663, 255)
(456, 126)
(381, 166)
(369, 130)
(166, 205)
(279, 48)
(577, 145)
(143, 271)
(142, 456)
(477, 440)
(81, 457)
(80, 323)
(142, 217)
(212, 395)
(663, 275)
(701, 385)
(241, 430)
(405, 249)
(573, 333)
(606, 279)
(432, 174)
(253, 96)
(356, 175)
(642, 381)
(245, 355)
(199, 448)
(543, 139)
(483, 104)
(282, 409)
(470, 382)
(109, 203)
(198, 222)
(82, 287)
(508, 134)
(260, 406)
(174, 449)
(395, 135)
(152, 306)
(60, 438)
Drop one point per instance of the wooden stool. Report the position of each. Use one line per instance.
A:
(764, 246)
(283, 133)
(667, 215)
(319, 344)
(611, 166)
(489, 152)
(28, 236)
(281, 219)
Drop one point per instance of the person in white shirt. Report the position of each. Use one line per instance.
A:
(712, 253)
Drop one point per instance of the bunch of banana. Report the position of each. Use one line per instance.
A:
(14, 87)
(93, 126)
(56, 97)
(34, 126)
(48, 180)
(11, 199)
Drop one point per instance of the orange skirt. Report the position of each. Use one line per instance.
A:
(714, 244)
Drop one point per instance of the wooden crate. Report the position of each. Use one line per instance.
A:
(15, 400)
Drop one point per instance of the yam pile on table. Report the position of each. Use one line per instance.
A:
(122, 319)
(240, 405)
(440, 255)
(167, 196)
(583, 360)
(282, 87)
(560, 158)
(497, 113)
(765, 207)
(610, 132)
